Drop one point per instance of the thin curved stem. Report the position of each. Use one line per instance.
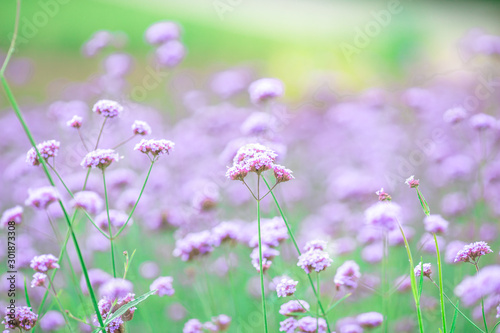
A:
(124, 142)
(58, 301)
(482, 302)
(251, 192)
(441, 291)
(109, 224)
(261, 271)
(12, 46)
(100, 133)
(83, 141)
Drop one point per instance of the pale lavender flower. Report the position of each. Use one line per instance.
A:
(498, 311)
(75, 122)
(23, 319)
(155, 147)
(314, 260)
(268, 255)
(100, 158)
(291, 308)
(107, 108)
(52, 321)
(482, 121)
(141, 128)
(193, 326)
(88, 200)
(161, 32)
(347, 275)
(454, 204)
(384, 215)
(229, 83)
(370, 319)
(38, 280)
(42, 197)
(435, 224)
(12, 214)
(288, 325)
(412, 182)
(273, 232)
(286, 287)
(226, 231)
(163, 284)
(472, 252)
(425, 268)
(265, 89)
(282, 174)
(351, 328)
(116, 288)
(259, 123)
(117, 65)
(44, 262)
(251, 157)
(116, 217)
(46, 149)
(315, 245)
(382, 195)
(454, 115)
(171, 53)
(237, 172)
(194, 244)
(373, 253)
(98, 41)
(452, 249)
(222, 322)
(311, 325)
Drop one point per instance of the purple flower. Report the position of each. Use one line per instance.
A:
(44, 262)
(314, 260)
(116, 288)
(481, 122)
(282, 174)
(351, 328)
(141, 128)
(311, 325)
(75, 122)
(370, 319)
(265, 89)
(288, 325)
(193, 326)
(383, 215)
(237, 172)
(315, 245)
(273, 232)
(226, 231)
(194, 244)
(161, 32)
(454, 115)
(286, 287)
(42, 197)
(108, 306)
(347, 275)
(498, 311)
(107, 108)
(38, 280)
(435, 224)
(23, 319)
(268, 255)
(222, 322)
(472, 252)
(171, 53)
(291, 308)
(52, 321)
(88, 200)
(427, 270)
(251, 157)
(100, 158)
(117, 219)
(452, 249)
(382, 195)
(12, 214)
(155, 147)
(46, 149)
(163, 284)
(412, 182)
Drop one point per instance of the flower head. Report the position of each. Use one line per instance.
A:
(268, 254)
(194, 244)
(311, 325)
(472, 252)
(454, 115)
(425, 268)
(141, 128)
(107, 108)
(482, 121)
(412, 182)
(314, 260)
(383, 215)
(38, 280)
(288, 325)
(46, 149)
(100, 158)
(155, 147)
(116, 217)
(42, 197)
(193, 326)
(163, 284)
(265, 89)
(291, 308)
(171, 53)
(370, 319)
(347, 275)
(75, 122)
(12, 214)
(282, 174)
(315, 245)
(88, 200)
(435, 224)
(286, 287)
(382, 195)
(44, 262)
(161, 32)
(23, 318)
(116, 288)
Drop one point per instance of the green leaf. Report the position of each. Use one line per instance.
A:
(453, 323)
(28, 303)
(123, 309)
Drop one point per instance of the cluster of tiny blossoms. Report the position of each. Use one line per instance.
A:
(46, 149)
(107, 108)
(314, 259)
(472, 252)
(42, 197)
(12, 214)
(141, 128)
(425, 269)
(108, 306)
(100, 158)
(155, 147)
(257, 158)
(21, 317)
(44, 262)
(217, 324)
(286, 287)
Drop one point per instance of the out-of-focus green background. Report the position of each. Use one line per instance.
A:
(292, 40)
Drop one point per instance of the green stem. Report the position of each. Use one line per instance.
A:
(137, 201)
(260, 256)
(100, 133)
(441, 291)
(65, 316)
(298, 250)
(482, 302)
(20, 117)
(317, 309)
(13, 41)
(109, 224)
(463, 315)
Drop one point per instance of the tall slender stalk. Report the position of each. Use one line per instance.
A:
(109, 224)
(482, 302)
(298, 251)
(261, 271)
(20, 117)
